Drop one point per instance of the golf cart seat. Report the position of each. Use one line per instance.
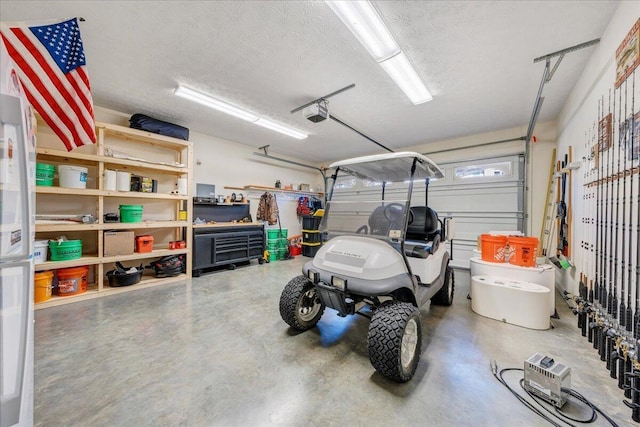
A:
(423, 234)
(385, 218)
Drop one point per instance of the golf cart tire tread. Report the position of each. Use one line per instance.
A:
(442, 297)
(289, 303)
(385, 339)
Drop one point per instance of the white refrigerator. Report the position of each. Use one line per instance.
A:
(17, 204)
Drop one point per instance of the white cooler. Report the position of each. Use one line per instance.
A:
(511, 301)
(544, 275)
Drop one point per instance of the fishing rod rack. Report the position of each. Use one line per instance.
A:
(608, 300)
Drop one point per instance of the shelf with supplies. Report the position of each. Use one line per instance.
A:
(262, 189)
(162, 216)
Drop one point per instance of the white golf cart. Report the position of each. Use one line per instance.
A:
(384, 258)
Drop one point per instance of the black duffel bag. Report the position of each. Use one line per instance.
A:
(142, 122)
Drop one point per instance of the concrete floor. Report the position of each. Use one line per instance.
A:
(214, 352)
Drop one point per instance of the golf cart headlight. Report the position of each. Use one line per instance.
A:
(339, 282)
(314, 276)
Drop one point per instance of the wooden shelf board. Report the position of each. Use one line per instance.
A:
(54, 265)
(92, 159)
(135, 165)
(69, 191)
(58, 155)
(140, 195)
(138, 255)
(153, 139)
(144, 224)
(41, 227)
(92, 291)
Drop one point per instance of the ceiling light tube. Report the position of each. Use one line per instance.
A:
(366, 24)
(225, 107)
(405, 76)
(216, 104)
(265, 123)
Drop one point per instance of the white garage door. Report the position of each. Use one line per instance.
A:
(482, 195)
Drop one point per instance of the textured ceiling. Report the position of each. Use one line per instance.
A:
(476, 58)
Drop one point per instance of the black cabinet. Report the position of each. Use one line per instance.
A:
(226, 245)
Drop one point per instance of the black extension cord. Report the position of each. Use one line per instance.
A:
(553, 418)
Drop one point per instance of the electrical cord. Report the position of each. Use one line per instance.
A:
(552, 418)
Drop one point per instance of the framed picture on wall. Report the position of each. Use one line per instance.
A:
(604, 133)
(630, 136)
(628, 54)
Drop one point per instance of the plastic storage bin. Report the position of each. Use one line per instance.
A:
(131, 213)
(144, 243)
(311, 222)
(72, 176)
(45, 174)
(43, 283)
(65, 250)
(72, 281)
(40, 251)
(310, 249)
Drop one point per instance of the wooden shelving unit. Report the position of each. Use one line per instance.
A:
(175, 161)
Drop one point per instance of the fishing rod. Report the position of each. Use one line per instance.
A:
(616, 314)
(626, 313)
(594, 325)
(605, 297)
(606, 344)
(582, 289)
(629, 324)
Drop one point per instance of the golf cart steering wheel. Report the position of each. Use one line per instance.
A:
(362, 230)
(392, 210)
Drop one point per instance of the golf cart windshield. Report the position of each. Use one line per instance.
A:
(371, 195)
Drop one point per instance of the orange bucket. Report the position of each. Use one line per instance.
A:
(493, 247)
(42, 283)
(72, 281)
(522, 251)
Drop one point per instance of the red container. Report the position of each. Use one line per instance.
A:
(144, 243)
(177, 244)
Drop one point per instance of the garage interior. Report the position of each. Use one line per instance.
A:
(517, 94)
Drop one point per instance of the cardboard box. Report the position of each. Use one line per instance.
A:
(118, 243)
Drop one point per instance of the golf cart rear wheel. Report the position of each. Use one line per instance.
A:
(445, 294)
(395, 340)
(300, 304)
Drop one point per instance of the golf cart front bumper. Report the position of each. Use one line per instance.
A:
(342, 292)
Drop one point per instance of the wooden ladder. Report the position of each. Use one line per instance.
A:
(549, 218)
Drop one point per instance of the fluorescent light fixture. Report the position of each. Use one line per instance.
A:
(265, 123)
(216, 104)
(401, 71)
(365, 23)
(225, 107)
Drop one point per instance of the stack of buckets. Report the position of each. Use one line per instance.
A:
(515, 250)
(65, 281)
(277, 243)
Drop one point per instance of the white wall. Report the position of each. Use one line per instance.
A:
(231, 164)
(580, 112)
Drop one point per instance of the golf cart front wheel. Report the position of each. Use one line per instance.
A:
(395, 340)
(300, 304)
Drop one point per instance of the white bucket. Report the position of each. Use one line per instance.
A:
(72, 176)
(123, 181)
(40, 251)
(109, 180)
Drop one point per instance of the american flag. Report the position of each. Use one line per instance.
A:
(51, 65)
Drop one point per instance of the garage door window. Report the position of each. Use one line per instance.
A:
(498, 169)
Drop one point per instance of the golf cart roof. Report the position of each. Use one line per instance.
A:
(390, 167)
